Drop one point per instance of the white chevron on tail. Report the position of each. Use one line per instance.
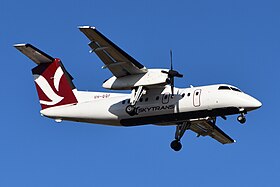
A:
(46, 88)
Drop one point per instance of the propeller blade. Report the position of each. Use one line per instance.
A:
(172, 86)
(171, 63)
(163, 71)
(171, 74)
(179, 75)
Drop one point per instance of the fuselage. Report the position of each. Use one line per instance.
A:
(157, 106)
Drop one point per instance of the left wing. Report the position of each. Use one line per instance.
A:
(207, 128)
(115, 59)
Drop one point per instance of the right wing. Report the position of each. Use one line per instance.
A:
(207, 128)
(115, 59)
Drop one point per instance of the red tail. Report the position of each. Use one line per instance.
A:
(54, 84)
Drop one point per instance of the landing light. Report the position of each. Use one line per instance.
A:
(58, 120)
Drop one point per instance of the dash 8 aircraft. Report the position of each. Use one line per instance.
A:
(153, 98)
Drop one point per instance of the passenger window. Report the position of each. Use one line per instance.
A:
(141, 99)
(183, 95)
(157, 98)
(196, 93)
(123, 102)
(146, 99)
(189, 94)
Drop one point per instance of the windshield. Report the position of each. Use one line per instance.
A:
(223, 88)
(235, 89)
(229, 88)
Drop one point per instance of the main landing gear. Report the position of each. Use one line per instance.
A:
(131, 110)
(180, 130)
(135, 96)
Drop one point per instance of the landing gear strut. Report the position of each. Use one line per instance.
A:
(135, 96)
(180, 130)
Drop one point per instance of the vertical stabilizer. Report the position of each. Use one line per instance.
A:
(53, 83)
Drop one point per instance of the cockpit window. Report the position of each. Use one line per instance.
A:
(223, 88)
(235, 89)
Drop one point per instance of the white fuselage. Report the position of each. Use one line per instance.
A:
(157, 106)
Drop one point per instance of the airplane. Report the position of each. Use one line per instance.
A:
(153, 98)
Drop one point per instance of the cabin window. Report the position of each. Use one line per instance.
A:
(183, 95)
(223, 88)
(157, 98)
(146, 99)
(123, 102)
(165, 97)
(141, 99)
(189, 94)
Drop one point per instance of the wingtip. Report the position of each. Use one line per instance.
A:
(20, 45)
(86, 27)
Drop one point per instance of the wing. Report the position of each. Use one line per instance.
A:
(207, 128)
(114, 58)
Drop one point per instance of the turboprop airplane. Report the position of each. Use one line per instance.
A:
(153, 99)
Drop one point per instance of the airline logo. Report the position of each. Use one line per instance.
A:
(46, 88)
(53, 86)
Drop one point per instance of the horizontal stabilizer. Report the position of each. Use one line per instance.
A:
(36, 55)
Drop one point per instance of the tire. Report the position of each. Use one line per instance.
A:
(130, 110)
(176, 145)
(241, 119)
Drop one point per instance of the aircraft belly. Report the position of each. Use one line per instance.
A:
(178, 117)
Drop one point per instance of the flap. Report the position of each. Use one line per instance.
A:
(207, 128)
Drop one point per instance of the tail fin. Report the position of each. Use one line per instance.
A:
(53, 83)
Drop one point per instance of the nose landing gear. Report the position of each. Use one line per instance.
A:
(180, 130)
(241, 118)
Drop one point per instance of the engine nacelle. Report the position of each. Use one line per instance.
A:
(152, 77)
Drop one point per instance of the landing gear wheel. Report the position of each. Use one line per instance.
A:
(241, 119)
(130, 110)
(176, 145)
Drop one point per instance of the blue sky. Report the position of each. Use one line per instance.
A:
(236, 42)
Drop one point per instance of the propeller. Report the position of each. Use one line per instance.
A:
(171, 74)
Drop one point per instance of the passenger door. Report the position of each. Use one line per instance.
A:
(165, 98)
(196, 98)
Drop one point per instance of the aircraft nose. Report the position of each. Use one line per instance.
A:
(249, 103)
(255, 104)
